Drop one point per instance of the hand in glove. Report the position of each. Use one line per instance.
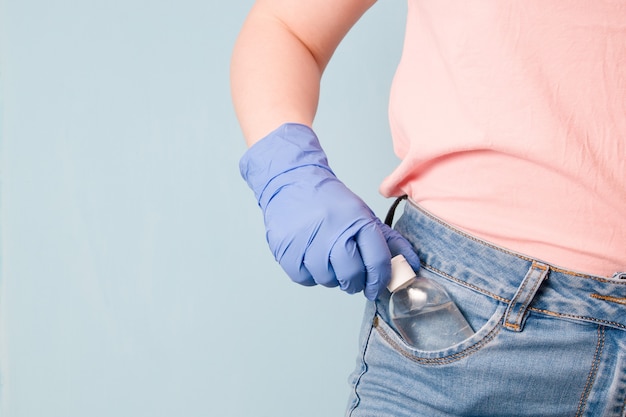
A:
(318, 230)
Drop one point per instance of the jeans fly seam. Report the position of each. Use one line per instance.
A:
(622, 391)
(623, 411)
(592, 373)
(438, 361)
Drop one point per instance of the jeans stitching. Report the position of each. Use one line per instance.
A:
(507, 322)
(535, 309)
(623, 411)
(617, 300)
(583, 318)
(621, 370)
(517, 255)
(461, 354)
(592, 373)
(529, 296)
(466, 284)
(437, 361)
(475, 239)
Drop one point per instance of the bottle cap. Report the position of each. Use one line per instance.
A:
(401, 272)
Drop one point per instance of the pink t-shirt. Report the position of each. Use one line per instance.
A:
(509, 117)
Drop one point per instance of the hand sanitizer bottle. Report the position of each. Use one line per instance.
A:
(422, 310)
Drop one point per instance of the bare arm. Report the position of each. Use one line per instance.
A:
(279, 58)
(317, 229)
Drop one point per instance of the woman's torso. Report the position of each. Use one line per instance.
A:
(510, 120)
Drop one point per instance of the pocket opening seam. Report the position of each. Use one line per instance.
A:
(443, 360)
(466, 284)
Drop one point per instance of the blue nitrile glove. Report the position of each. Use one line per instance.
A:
(318, 230)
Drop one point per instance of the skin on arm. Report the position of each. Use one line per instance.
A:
(277, 66)
(279, 58)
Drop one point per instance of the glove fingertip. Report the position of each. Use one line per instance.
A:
(371, 292)
(399, 245)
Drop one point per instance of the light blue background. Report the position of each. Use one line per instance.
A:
(135, 278)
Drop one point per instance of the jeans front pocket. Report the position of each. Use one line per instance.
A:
(483, 313)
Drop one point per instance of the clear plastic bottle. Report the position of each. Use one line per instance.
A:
(422, 310)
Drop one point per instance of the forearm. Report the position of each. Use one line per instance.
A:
(279, 58)
(318, 230)
(274, 78)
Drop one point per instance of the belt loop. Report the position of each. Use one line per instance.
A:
(516, 313)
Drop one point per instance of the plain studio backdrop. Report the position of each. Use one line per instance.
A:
(135, 277)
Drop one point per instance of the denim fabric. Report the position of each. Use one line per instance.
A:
(548, 342)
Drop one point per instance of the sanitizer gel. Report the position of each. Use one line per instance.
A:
(422, 310)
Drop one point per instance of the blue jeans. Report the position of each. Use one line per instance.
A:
(547, 342)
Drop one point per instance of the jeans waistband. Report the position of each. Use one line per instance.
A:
(521, 281)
